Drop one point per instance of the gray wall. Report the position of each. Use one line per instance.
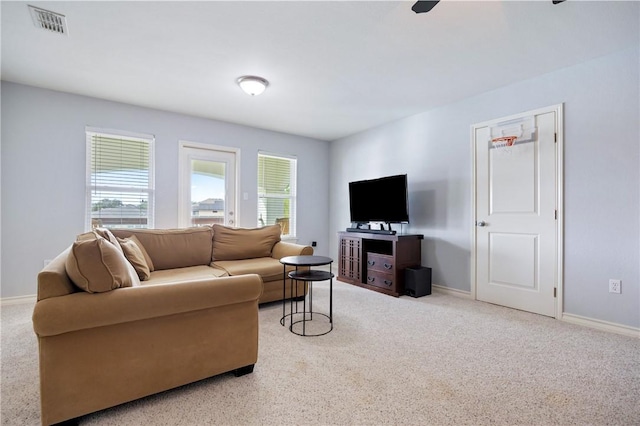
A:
(43, 172)
(601, 185)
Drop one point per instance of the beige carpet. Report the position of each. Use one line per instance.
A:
(436, 360)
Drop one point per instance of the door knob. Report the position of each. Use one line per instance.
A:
(481, 223)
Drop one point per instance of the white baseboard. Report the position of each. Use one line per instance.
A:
(611, 327)
(18, 300)
(451, 291)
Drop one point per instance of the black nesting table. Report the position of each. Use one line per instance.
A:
(308, 276)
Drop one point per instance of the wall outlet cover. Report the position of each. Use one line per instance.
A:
(614, 286)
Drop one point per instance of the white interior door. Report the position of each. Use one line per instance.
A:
(207, 185)
(516, 212)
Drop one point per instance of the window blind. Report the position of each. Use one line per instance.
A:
(120, 181)
(277, 192)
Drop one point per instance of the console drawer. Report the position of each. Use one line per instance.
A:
(380, 263)
(380, 279)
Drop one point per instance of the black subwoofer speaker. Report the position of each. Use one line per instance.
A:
(417, 281)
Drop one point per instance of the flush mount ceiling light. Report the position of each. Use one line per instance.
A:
(252, 85)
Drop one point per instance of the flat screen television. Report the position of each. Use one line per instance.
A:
(379, 200)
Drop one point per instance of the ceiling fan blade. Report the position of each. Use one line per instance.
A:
(424, 6)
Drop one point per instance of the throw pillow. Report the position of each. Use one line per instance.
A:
(147, 258)
(87, 236)
(108, 235)
(96, 265)
(134, 255)
(240, 243)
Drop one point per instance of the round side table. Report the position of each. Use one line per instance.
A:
(308, 276)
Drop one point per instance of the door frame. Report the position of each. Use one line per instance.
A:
(181, 173)
(558, 109)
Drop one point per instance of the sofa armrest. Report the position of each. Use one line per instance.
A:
(282, 249)
(77, 311)
(53, 280)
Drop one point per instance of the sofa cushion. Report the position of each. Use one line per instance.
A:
(240, 243)
(180, 275)
(96, 265)
(173, 248)
(134, 255)
(268, 268)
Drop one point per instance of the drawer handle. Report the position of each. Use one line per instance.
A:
(371, 262)
(371, 279)
(387, 282)
(388, 266)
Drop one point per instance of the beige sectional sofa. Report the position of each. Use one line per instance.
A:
(124, 314)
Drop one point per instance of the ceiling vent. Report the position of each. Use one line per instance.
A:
(50, 21)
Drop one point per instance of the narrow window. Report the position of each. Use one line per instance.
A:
(277, 192)
(120, 187)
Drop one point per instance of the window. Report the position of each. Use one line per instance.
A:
(277, 192)
(120, 187)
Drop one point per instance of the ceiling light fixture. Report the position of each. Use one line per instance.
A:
(252, 85)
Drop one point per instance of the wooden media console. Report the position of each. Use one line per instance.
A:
(378, 261)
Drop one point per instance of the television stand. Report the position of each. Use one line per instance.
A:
(376, 260)
(373, 231)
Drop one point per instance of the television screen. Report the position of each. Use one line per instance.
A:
(379, 200)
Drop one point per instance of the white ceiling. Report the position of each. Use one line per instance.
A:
(335, 67)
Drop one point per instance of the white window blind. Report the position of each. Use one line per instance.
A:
(277, 192)
(120, 187)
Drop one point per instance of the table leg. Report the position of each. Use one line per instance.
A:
(304, 314)
(291, 284)
(331, 300)
(310, 299)
(330, 296)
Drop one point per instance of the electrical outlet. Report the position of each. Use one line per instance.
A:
(314, 244)
(614, 286)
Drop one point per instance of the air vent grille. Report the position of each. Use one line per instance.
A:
(47, 20)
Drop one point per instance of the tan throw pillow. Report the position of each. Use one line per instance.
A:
(147, 258)
(87, 236)
(108, 235)
(96, 265)
(134, 255)
(239, 243)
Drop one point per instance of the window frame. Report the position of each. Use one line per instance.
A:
(292, 196)
(90, 132)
